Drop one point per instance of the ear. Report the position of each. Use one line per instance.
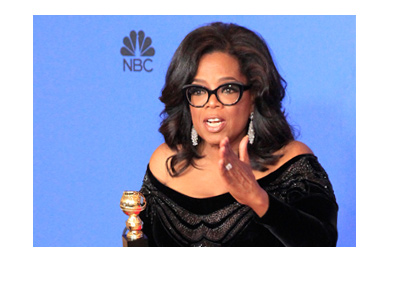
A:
(253, 98)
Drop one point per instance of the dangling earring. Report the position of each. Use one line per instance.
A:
(194, 136)
(251, 129)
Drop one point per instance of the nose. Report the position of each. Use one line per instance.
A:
(213, 102)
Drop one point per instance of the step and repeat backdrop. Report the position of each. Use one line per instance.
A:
(96, 112)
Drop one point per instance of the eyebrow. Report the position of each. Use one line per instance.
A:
(220, 80)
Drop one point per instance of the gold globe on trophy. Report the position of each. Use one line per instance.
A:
(132, 203)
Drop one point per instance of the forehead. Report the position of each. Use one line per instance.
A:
(218, 66)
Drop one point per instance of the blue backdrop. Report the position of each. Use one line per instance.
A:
(96, 112)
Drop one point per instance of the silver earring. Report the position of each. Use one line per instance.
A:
(251, 129)
(194, 136)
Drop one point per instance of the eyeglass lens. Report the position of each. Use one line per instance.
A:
(227, 94)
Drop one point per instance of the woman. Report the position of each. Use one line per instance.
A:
(230, 172)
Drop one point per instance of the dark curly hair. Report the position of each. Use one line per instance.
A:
(267, 87)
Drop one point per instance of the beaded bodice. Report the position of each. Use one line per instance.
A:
(174, 219)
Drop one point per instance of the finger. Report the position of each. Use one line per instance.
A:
(223, 142)
(224, 160)
(225, 155)
(225, 172)
(223, 148)
(225, 151)
(228, 150)
(243, 154)
(221, 166)
(228, 175)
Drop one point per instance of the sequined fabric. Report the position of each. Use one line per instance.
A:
(173, 219)
(292, 183)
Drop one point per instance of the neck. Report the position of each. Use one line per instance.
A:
(211, 152)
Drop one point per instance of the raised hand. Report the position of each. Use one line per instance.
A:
(239, 178)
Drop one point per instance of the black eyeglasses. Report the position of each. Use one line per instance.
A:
(228, 93)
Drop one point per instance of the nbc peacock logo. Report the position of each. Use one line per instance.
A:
(138, 48)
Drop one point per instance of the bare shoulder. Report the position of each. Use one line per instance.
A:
(158, 161)
(291, 150)
(295, 148)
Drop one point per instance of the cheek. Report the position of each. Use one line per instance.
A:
(242, 113)
(195, 116)
(239, 120)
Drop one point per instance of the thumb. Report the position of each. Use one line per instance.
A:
(243, 154)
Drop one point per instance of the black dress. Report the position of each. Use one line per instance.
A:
(302, 212)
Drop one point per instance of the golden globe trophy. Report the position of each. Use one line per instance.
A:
(132, 203)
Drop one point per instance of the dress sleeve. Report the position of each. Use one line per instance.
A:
(146, 215)
(303, 209)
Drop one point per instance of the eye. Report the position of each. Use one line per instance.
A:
(196, 91)
(229, 89)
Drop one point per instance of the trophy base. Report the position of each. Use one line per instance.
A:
(141, 242)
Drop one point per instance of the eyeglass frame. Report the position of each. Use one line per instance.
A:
(242, 88)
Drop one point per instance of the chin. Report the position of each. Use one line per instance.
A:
(213, 140)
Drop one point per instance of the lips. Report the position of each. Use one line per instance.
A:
(214, 124)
